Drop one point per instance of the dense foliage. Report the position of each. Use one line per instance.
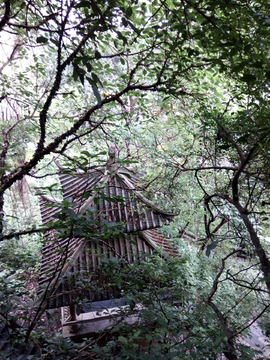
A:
(182, 88)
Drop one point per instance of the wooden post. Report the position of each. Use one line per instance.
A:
(75, 327)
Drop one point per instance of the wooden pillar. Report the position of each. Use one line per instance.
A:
(75, 327)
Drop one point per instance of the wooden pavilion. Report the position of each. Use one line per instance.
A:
(109, 200)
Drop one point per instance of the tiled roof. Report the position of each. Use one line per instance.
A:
(119, 202)
(85, 266)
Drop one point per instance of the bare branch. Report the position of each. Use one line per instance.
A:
(23, 232)
(12, 56)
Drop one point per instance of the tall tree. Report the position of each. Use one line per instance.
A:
(77, 70)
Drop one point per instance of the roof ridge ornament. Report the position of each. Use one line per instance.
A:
(113, 151)
(112, 166)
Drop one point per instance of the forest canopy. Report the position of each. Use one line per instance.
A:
(182, 89)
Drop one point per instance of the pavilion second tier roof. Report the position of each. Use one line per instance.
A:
(108, 194)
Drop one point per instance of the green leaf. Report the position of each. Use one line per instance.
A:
(5, 308)
(97, 94)
(75, 74)
(122, 60)
(249, 78)
(95, 89)
(55, 42)
(162, 322)
(79, 231)
(149, 337)
(42, 40)
(122, 339)
(89, 67)
(87, 153)
(132, 305)
(83, 3)
(97, 55)
(267, 74)
(169, 315)
(239, 67)
(129, 11)
(96, 79)
(67, 202)
(266, 278)
(123, 38)
(210, 247)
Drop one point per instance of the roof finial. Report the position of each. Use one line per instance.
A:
(113, 152)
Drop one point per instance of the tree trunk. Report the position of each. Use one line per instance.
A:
(229, 351)
(264, 261)
(1, 214)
